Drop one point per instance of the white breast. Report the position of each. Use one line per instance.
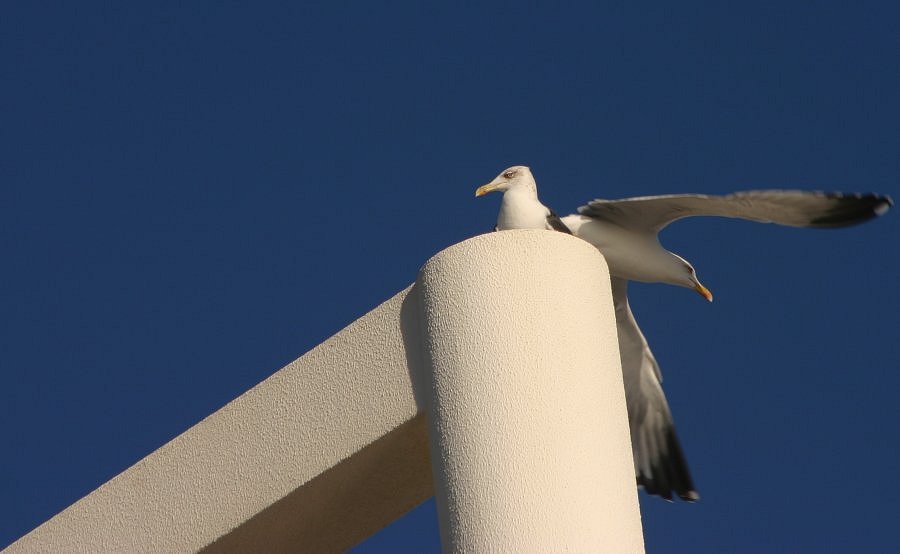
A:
(520, 209)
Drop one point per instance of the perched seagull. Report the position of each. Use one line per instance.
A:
(625, 231)
(520, 207)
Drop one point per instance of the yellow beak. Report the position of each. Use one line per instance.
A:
(484, 189)
(704, 292)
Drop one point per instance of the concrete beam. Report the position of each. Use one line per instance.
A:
(315, 458)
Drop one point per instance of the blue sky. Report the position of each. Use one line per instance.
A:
(194, 195)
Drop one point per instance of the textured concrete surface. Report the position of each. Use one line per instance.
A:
(528, 424)
(315, 458)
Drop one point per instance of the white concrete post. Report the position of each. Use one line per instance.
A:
(528, 426)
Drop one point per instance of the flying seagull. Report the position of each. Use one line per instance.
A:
(625, 231)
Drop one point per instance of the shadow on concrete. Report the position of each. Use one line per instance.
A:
(346, 504)
(411, 329)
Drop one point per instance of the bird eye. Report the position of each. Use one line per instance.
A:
(509, 174)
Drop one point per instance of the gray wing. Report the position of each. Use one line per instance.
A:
(658, 459)
(784, 207)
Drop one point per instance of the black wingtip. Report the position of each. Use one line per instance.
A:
(669, 473)
(852, 209)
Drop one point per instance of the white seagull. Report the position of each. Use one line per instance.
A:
(625, 231)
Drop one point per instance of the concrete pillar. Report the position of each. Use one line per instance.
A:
(528, 426)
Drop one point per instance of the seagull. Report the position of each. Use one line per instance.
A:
(520, 207)
(626, 233)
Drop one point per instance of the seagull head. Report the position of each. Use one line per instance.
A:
(685, 275)
(517, 177)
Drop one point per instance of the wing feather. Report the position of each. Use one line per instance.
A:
(556, 224)
(659, 462)
(784, 207)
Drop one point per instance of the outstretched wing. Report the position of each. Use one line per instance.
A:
(784, 207)
(658, 459)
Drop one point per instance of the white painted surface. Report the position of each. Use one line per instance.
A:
(528, 424)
